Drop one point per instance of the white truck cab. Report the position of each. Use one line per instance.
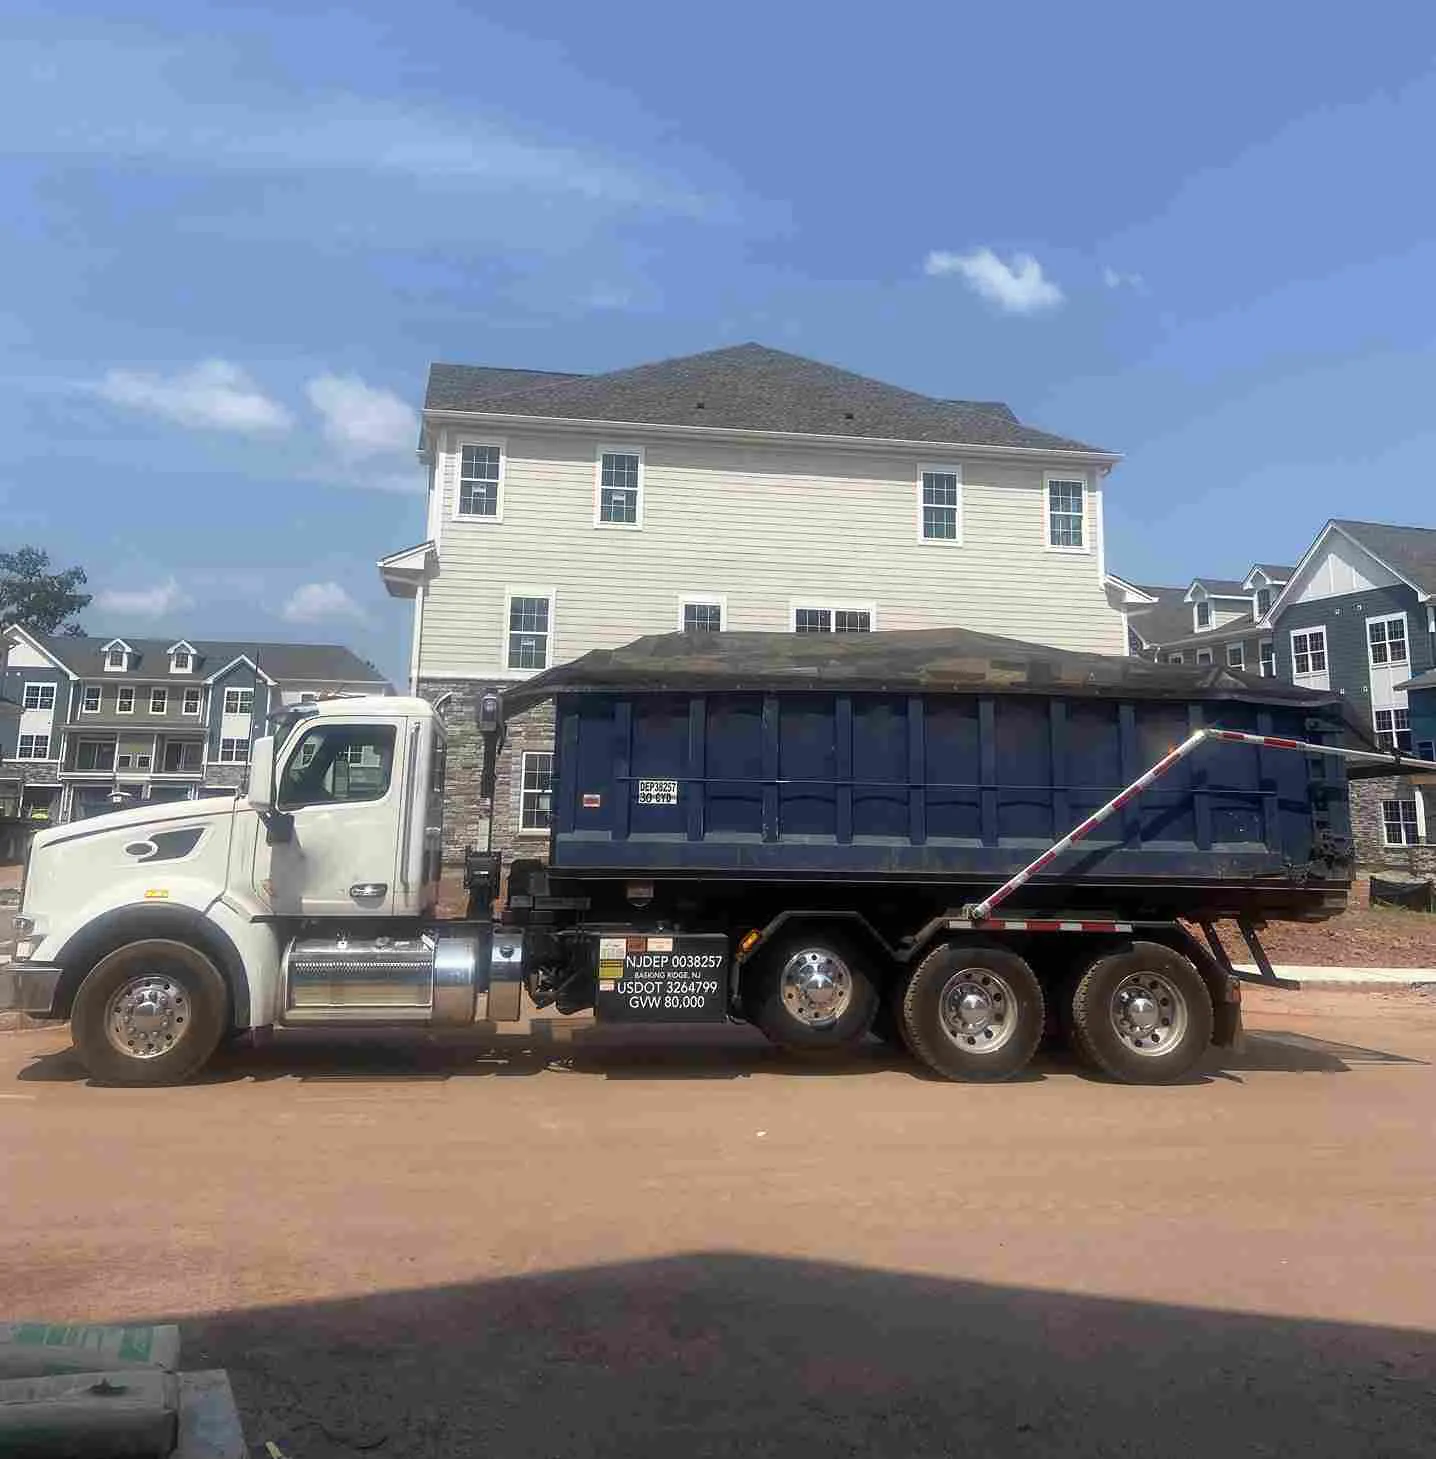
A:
(307, 899)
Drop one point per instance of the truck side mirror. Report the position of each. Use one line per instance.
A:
(261, 774)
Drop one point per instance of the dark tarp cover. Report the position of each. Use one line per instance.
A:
(934, 660)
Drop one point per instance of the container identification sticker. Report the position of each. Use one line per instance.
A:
(658, 792)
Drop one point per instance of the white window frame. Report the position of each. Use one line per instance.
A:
(85, 698)
(163, 694)
(1067, 478)
(198, 701)
(819, 605)
(1266, 668)
(611, 450)
(955, 472)
(120, 691)
(1388, 662)
(509, 595)
(1197, 605)
(1414, 822)
(113, 654)
(1203, 663)
(239, 694)
(1389, 738)
(1325, 670)
(1240, 662)
(703, 600)
(35, 741)
(112, 745)
(239, 756)
(1176, 659)
(1258, 612)
(528, 755)
(458, 457)
(39, 685)
(187, 667)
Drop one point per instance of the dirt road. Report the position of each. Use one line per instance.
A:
(528, 1248)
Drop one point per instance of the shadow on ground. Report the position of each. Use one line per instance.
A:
(663, 1054)
(721, 1355)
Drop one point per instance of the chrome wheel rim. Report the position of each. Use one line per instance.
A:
(978, 1010)
(1149, 1013)
(816, 986)
(147, 1016)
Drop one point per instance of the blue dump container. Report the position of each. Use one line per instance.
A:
(942, 756)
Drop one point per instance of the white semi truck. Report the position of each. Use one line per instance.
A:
(800, 855)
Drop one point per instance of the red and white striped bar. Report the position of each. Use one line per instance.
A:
(981, 912)
(1038, 924)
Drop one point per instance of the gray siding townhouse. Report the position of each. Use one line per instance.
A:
(739, 489)
(147, 719)
(1211, 621)
(1359, 616)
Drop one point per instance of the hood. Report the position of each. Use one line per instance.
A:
(141, 815)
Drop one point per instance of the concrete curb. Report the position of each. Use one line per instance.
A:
(1364, 979)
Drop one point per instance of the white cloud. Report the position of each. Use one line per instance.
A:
(1116, 279)
(362, 420)
(212, 395)
(151, 602)
(321, 602)
(1018, 287)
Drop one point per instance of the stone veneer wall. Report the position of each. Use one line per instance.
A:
(466, 811)
(1372, 854)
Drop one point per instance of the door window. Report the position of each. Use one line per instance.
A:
(339, 763)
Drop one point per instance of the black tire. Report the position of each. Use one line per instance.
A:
(189, 1015)
(1015, 1011)
(776, 1009)
(1126, 1048)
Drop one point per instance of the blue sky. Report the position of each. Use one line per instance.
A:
(236, 237)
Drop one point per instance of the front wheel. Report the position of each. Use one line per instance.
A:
(813, 994)
(1142, 1015)
(973, 1012)
(150, 1012)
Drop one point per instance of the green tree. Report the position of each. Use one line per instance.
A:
(38, 599)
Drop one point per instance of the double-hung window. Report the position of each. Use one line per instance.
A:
(1204, 655)
(1236, 656)
(125, 699)
(481, 476)
(159, 701)
(1268, 659)
(530, 633)
(1263, 602)
(33, 747)
(238, 701)
(192, 700)
(832, 620)
(702, 615)
(90, 699)
(1203, 613)
(1308, 654)
(620, 489)
(39, 696)
(1067, 514)
(536, 805)
(1386, 639)
(233, 751)
(940, 505)
(1393, 728)
(1399, 823)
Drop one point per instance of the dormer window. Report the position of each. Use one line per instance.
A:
(1204, 613)
(1263, 602)
(181, 658)
(117, 656)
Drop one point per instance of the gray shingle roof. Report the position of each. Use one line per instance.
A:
(1275, 573)
(308, 662)
(1168, 618)
(744, 387)
(1410, 551)
(1237, 628)
(1223, 587)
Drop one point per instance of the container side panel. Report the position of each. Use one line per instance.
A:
(592, 774)
(660, 753)
(735, 766)
(880, 768)
(954, 772)
(807, 767)
(1165, 814)
(1094, 764)
(1024, 771)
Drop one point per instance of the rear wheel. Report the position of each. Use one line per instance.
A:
(973, 1012)
(1142, 1015)
(814, 993)
(150, 1012)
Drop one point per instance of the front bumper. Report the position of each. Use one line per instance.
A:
(29, 988)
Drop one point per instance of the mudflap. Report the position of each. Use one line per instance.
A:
(1227, 1017)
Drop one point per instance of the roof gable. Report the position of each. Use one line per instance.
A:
(743, 387)
(1338, 563)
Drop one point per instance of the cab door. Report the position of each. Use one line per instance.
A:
(340, 784)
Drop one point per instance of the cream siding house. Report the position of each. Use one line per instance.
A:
(743, 489)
